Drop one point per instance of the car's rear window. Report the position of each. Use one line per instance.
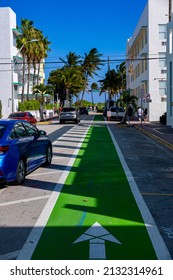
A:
(19, 115)
(68, 109)
(2, 129)
(116, 109)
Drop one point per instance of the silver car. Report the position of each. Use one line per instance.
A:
(69, 115)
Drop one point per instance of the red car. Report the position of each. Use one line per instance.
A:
(27, 116)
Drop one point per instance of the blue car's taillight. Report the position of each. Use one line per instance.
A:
(4, 149)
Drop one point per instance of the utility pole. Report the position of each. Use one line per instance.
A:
(108, 65)
(109, 91)
(170, 10)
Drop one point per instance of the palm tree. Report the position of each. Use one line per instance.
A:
(90, 65)
(39, 53)
(32, 52)
(121, 71)
(72, 60)
(110, 83)
(29, 53)
(69, 80)
(43, 90)
(94, 86)
(21, 43)
(126, 99)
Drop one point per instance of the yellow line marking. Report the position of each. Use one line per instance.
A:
(159, 194)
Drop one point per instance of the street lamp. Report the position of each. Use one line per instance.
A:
(13, 64)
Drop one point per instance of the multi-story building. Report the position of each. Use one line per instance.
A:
(11, 64)
(146, 59)
(8, 32)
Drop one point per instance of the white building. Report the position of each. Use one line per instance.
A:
(10, 73)
(8, 32)
(146, 59)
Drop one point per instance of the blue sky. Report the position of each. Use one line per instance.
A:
(78, 26)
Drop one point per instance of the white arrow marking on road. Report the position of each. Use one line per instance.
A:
(97, 236)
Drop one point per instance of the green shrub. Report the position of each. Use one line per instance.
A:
(49, 106)
(29, 105)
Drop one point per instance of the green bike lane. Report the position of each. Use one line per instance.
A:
(96, 215)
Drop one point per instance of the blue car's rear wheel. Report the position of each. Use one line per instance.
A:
(20, 172)
(48, 157)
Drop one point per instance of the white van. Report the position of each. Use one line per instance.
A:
(116, 113)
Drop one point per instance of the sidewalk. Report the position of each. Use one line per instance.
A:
(160, 132)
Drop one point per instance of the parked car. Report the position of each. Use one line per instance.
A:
(23, 148)
(117, 113)
(27, 116)
(83, 111)
(69, 114)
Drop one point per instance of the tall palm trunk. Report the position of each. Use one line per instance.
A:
(28, 82)
(83, 92)
(38, 72)
(34, 75)
(170, 10)
(67, 98)
(92, 98)
(23, 80)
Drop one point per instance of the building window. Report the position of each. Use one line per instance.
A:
(146, 38)
(162, 31)
(170, 41)
(162, 87)
(162, 60)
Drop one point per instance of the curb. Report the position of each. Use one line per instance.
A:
(45, 122)
(160, 140)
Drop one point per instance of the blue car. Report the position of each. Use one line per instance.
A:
(23, 148)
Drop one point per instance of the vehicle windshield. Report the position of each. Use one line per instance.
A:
(68, 109)
(2, 129)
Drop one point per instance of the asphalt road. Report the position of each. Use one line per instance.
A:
(151, 165)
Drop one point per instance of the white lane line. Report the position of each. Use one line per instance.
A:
(155, 129)
(43, 173)
(156, 239)
(10, 256)
(24, 200)
(58, 157)
(33, 238)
